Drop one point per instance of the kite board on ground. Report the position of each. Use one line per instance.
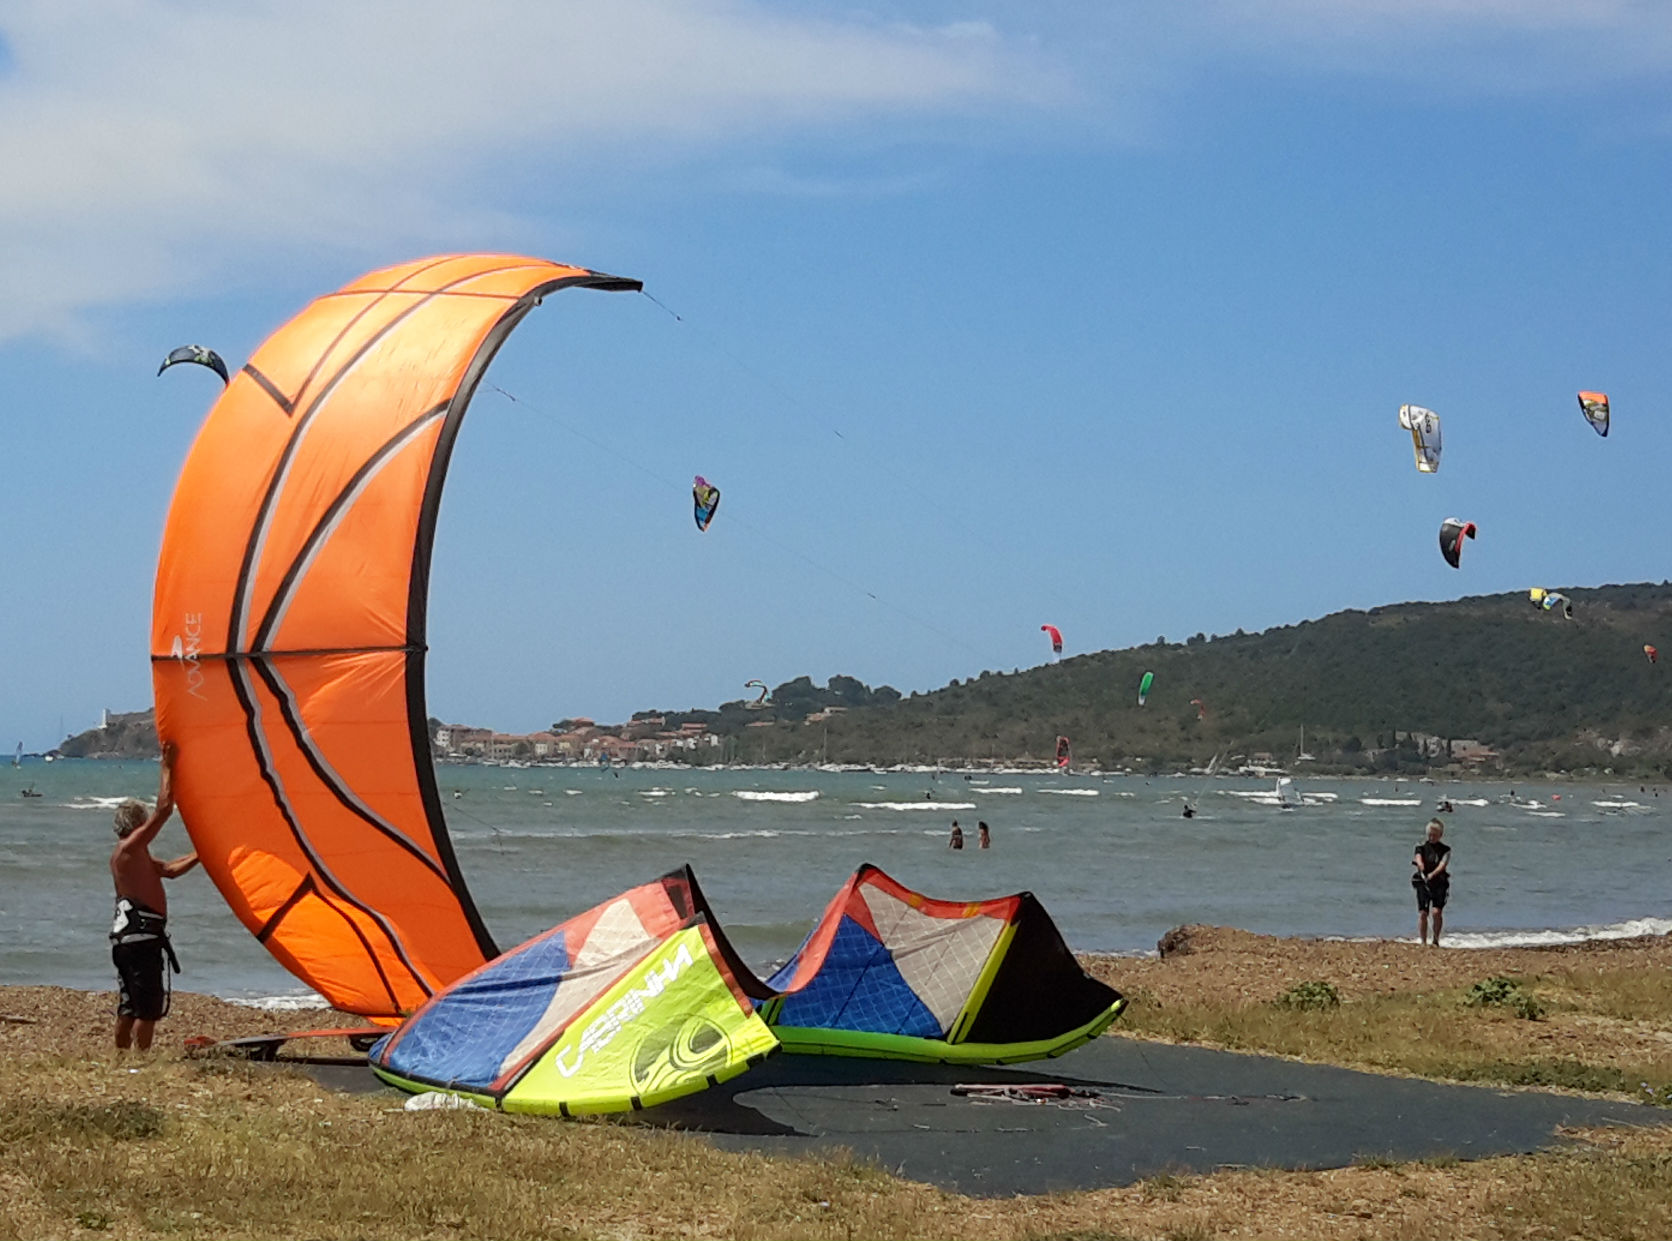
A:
(266, 1046)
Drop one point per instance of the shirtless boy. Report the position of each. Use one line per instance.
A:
(139, 936)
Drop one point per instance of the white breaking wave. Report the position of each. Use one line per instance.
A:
(757, 795)
(915, 805)
(571, 792)
(1547, 814)
(283, 1003)
(94, 803)
(1469, 801)
(984, 792)
(1619, 805)
(1630, 929)
(1390, 801)
(1072, 792)
(654, 793)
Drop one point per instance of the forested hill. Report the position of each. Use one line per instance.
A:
(1397, 688)
(1377, 690)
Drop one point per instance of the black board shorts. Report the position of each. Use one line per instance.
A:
(1432, 893)
(140, 967)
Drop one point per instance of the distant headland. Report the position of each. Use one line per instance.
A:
(131, 734)
(1486, 685)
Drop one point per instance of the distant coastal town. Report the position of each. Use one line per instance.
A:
(579, 740)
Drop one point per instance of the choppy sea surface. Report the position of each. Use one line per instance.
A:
(1111, 857)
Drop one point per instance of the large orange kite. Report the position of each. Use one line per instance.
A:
(288, 631)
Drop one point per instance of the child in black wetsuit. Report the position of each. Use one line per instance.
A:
(1432, 880)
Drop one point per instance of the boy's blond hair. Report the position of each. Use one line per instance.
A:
(130, 816)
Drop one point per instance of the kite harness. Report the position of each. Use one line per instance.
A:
(137, 924)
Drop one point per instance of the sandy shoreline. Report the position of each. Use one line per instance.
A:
(1205, 966)
(61, 1020)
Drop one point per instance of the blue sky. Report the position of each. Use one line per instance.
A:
(993, 315)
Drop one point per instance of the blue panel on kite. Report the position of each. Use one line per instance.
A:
(467, 1040)
(857, 988)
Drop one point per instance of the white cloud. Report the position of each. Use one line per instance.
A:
(150, 148)
(148, 144)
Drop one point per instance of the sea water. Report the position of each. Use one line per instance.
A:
(1111, 858)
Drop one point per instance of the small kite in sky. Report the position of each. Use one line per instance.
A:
(1594, 405)
(201, 355)
(1452, 534)
(1424, 426)
(706, 501)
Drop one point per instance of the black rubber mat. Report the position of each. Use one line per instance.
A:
(1134, 1110)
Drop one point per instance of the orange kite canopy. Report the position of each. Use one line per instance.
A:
(288, 630)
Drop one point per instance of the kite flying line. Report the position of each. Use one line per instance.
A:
(815, 419)
(740, 522)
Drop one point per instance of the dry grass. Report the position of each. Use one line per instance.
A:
(223, 1149)
(96, 1145)
(1221, 965)
(1606, 1026)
